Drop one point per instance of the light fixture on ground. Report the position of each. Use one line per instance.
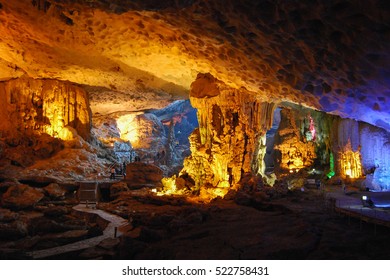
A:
(366, 201)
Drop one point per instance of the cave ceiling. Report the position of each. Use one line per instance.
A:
(328, 55)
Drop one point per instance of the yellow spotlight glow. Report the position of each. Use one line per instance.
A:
(350, 162)
(128, 127)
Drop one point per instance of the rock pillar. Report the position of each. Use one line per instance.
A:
(229, 140)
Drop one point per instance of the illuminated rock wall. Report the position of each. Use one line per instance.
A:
(44, 106)
(350, 162)
(296, 151)
(361, 150)
(144, 131)
(228, 142)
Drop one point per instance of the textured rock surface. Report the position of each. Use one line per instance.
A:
(21, 196)
(55, 191)
(117, 188)
(44, 106)
(308, 138)
(293, 225)
(143, 131)
(7, 215)
(142, 173)
(296, 151)
(332, 55)
(229, 140)
(158, 136)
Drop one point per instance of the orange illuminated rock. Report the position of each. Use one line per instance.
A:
(296, 152)
(21, 196)
(328, 55)
(44, 106)
(228, 142)
(142, 173)
(350, 165)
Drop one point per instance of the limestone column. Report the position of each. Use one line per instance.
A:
(230, 140)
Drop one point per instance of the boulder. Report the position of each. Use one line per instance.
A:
(20, 156)
(43, 225)
(7, 215)
(46, 146)
(56, 211)
(94, 231)
(142, 173)
(4, 186)
(12, 231)
(117, 188)
(21, 196)
(109, 243)
(151, 235)
(55, 191)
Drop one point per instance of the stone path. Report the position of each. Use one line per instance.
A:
(109, 231)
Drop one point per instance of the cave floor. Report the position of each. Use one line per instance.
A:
(109, 232)
(265, 224)
(300, 225)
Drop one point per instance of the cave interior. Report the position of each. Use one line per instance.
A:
(189, 118)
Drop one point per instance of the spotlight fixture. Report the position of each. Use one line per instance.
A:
(366, 201)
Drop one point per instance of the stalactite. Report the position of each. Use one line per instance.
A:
(296, 152)
(230, 138)
(38, 106)
(350, 162)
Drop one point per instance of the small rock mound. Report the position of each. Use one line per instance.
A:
(142, 173)
(55, 191)
(21, 197)
(117, 188)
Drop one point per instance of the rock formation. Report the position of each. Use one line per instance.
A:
(329, 55)
(296, 151)
(229, 141)
(139, 174)
(44, 106)
(349, 148)
(21, 196)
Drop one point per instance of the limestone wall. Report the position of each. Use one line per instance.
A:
(43, 106)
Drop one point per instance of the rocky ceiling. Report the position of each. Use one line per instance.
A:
(330, 55)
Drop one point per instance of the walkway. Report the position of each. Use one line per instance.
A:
(109, 231)
(350, 204)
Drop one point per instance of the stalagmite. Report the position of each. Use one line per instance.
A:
(296, 152)
(230, 140)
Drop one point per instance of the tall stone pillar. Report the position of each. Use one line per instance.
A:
(229, 140)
